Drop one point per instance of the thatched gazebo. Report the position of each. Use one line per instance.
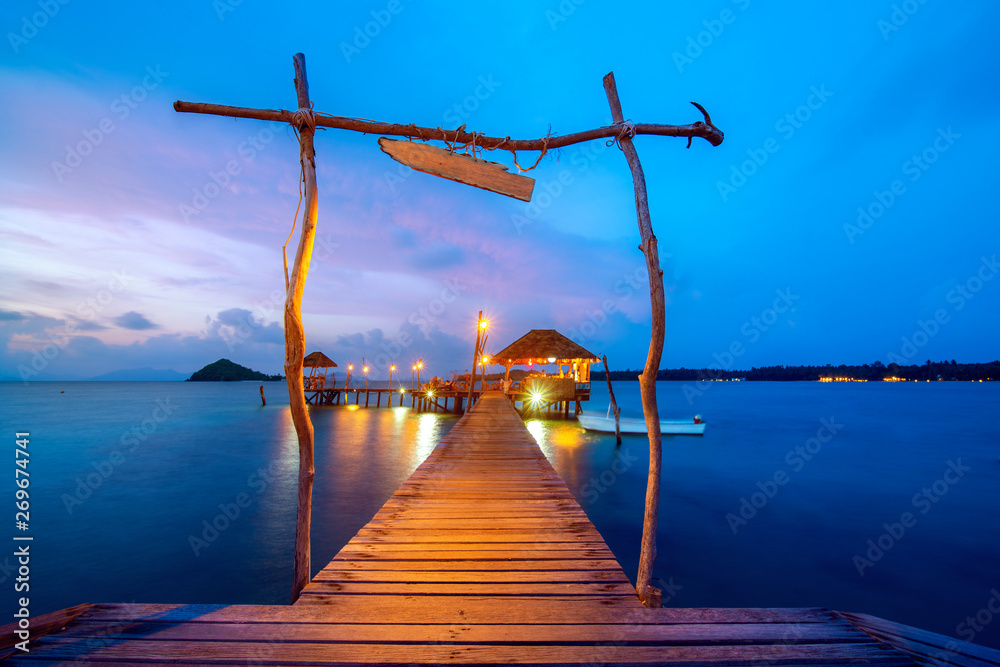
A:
(542, 347)
(315, 361)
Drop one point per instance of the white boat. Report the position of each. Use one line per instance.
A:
(667, 426)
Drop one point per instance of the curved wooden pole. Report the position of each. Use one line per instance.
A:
(648, 594)
(614, 404)
(706, 130)
(295, 339)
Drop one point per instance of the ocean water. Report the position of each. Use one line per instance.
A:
(876, 498)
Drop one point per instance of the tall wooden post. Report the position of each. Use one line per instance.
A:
(614, 404)
(475, 358)
(648, 594)
(295, 337)
(482, 353)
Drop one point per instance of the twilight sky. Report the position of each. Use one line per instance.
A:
(847, 217)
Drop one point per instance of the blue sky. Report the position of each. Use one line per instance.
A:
(849, 216)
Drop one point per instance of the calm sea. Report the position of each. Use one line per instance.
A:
(877, 498)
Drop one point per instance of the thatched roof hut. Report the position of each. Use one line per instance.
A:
(543, 346)
(315, 361)
(548, 346)
(318, 360)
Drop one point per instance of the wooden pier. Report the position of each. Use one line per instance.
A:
(424, 400)
(482, 556)
(441, 400)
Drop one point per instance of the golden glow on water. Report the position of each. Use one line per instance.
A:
(288, 443)
(566, 437)
(426, 436)
(537, 430)
(353, 407)
(560, 441)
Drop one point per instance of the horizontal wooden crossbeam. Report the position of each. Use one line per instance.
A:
(704, 130)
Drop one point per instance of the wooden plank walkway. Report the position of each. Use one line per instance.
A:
(485, 514)
(481, 557)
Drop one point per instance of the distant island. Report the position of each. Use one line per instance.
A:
(875, 372)
(224, 370)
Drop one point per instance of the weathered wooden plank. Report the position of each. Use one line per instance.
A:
(492, 565)
(674, 635)
(492, 588)
(40, 625)
(479, 173)
(923, 644)
(484, 577)
(368, 609)
(281, 652)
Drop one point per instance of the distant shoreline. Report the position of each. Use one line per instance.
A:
(945, 371)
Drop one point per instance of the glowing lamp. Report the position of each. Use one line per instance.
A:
(552, 360)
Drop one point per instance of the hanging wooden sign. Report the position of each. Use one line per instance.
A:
(484, 174)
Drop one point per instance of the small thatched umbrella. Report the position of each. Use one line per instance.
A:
(315, 361)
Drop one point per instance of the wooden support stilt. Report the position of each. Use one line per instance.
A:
(263, 401)
(648, 594)
(614, 404)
